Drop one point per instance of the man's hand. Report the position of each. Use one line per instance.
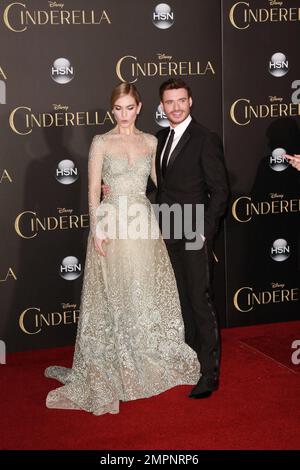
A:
(105, 189)
(98, 244)
(293, 160)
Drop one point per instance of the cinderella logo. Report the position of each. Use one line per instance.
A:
(32, 320)
(17, 17)
(246, 298)
(242, 16)
(130, 69)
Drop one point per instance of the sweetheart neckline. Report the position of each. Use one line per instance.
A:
(126, 158)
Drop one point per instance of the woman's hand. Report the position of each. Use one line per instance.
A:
(294, 160)
(98, 244)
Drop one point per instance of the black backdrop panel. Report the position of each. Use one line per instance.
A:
(261, 119)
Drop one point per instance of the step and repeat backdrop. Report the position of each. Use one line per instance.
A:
(261, 86)
(59, 62)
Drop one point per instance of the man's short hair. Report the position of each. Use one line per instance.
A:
(174, 84)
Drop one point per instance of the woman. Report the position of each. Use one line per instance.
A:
(130, 338)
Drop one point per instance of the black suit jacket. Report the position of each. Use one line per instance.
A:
(196, 174)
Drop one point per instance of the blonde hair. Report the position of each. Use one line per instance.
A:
(124, 89)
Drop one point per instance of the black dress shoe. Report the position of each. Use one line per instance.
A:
(205, 387)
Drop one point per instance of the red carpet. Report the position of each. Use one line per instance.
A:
(257, 406)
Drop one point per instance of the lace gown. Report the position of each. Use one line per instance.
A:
(130, 338)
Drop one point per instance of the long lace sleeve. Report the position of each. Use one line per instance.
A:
(153, 169)
(96, 154)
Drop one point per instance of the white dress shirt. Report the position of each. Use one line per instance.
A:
(179, 130)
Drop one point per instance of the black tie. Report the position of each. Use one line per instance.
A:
(166, 154)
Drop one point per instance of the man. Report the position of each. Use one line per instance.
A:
(190, 170)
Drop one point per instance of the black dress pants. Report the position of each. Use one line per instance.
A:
(192, 270)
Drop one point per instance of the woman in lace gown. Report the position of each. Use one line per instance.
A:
(130, 338)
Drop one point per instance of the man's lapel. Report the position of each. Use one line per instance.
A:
(182, 142)
(160, 145)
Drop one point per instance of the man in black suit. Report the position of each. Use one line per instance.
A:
(190, 170)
